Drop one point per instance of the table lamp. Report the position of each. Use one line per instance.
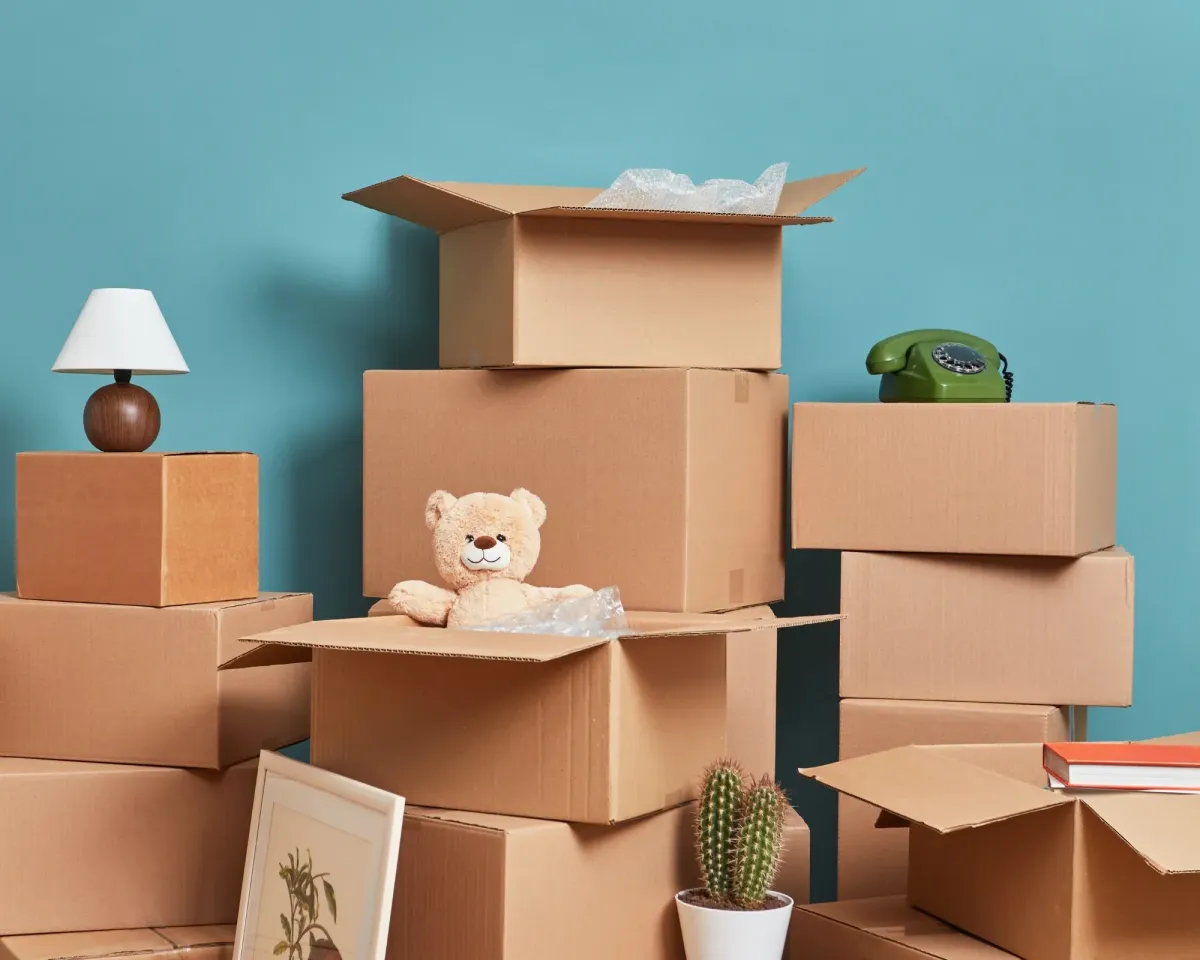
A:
(122, 333)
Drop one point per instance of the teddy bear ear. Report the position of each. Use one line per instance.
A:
(532, 503)
(436, 507)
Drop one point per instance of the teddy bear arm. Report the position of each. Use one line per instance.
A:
(422, 601)
(543, 594)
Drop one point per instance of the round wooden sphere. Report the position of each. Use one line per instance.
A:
(121, 418)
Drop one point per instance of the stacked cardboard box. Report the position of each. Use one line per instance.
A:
(131, 717)
(980, 584)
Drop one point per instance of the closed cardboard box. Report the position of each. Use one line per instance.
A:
(89, 846)
(794, 876)
(150, 686)
(668, 484)
(532, 277)
(557, 727)
(166, 943)
(1024, 479)
(143, 529)
(1000, 629)
(873, 862)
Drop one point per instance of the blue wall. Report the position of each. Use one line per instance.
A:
(1033, 179)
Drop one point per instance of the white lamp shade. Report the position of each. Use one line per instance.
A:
(120, 329)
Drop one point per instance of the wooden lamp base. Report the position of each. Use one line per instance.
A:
(121, 417)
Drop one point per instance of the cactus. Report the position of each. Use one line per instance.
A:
(759, 842)
(716, 827)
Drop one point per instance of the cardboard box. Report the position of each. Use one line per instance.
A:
(885, 928)
(556, 727)
(874, 862)
(751, 662)
(166, 943)
(150, 686)
(1026, 479)
(669, 484)
(795, 867)
(143, 529)
(1000, 629)
(1042, 874)
(89, 846)
(532, 277)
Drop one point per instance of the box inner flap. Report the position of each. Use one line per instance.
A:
(673, 216)
(1163, 828)
(799, 195)
(648, 624)
(206, 936)
(77, 946)
(267, 655)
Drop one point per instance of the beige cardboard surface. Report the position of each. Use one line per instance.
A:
(144, 529)
(669, 484)
(873, 862)
(168, 686)
(562, 728)
(489, 887)
(108, 846)
(1024, 479)
(530, 276)
(170, 943)
(794, 876)
(1006, 630)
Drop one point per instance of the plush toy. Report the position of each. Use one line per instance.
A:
(484, 545)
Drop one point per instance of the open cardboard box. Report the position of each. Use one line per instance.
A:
(555, 727)
(531, 276)
(1043, 874)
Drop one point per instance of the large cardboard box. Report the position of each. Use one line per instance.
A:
(150, 686)
(146, 529)
(1025, 479)
(532, 277)
(1042, 874)
(884, 928)
(669, 484)
(1000, 629)
(874, 862)
(167, 943)
(558, 727)
(90, 846)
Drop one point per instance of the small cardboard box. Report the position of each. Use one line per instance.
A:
(166, 943)
(668, 484)
(532, 277)
(874, 863)
(556, 727)
(751, 665)
(150, 686)
(141, 529)
(1045, 875)
(885, 928)
(90, 846)
(1000, 629)
(1026, 479)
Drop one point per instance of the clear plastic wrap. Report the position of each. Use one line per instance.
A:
(598, 615)
(667, 190)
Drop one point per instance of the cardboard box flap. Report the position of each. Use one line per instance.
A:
(925, 786)
(83, 946)
(267, 655)
(1162, 828)
(646, 624)
(208, 936)
(1183, 739)
(799, 195)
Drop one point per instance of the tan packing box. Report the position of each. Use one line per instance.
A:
(145, 529)
(1026, 479)
(751, 663)
(153, 686)
(556, 727)
(885, 928)
(795, 866)
(999, 629)
(88, 846)
(532, 277)
(669, 484)
(167, 943)
(874, 862)
(1047, 876)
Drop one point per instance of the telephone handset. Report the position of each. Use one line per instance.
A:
(924, 366)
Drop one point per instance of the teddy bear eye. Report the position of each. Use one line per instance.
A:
(470, 538)
(502, 538)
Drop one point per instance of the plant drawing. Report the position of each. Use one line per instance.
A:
(305, 900)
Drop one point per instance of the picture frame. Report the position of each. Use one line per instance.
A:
(320, 869)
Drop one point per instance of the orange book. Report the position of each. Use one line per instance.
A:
(1165, 767)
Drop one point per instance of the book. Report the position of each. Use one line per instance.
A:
(1156, 767)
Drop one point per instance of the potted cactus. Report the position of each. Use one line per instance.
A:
(739, 835)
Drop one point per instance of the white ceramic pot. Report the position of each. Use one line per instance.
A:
(712, 934)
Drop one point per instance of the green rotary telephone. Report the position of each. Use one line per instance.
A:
(942, 366)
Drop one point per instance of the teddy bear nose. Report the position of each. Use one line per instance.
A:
(485, 543)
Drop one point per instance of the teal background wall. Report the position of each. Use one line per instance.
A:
(1033, 179)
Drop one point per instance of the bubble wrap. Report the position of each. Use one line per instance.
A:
(599, 615)
(666, 190)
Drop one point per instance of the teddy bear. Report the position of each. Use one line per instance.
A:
(484, 546)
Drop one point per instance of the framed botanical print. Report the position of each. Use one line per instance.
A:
(320, 866)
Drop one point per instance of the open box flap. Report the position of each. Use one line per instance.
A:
(205, 936)
(86, 946)
(924, 786)
(1162, 828)
(267, 655)
(1180, 739)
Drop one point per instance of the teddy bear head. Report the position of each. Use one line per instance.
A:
(484, 535)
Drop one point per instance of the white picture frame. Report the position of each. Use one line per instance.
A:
(312, 831)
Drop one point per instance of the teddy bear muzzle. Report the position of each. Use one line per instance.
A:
(485, 553)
